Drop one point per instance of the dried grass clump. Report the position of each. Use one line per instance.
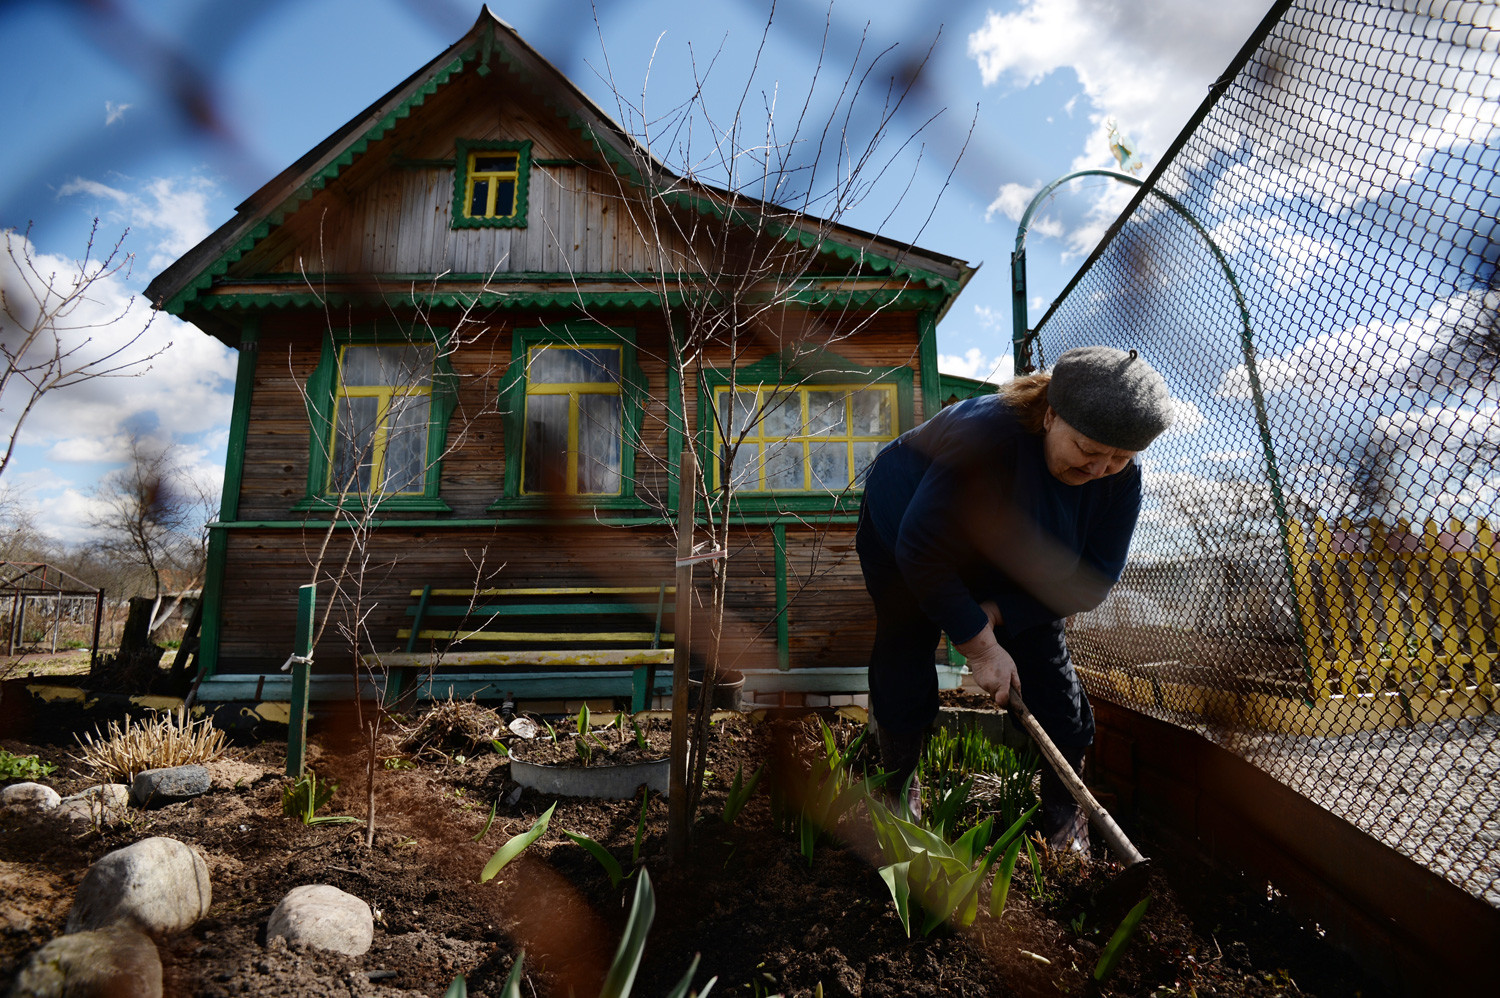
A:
(171, 739)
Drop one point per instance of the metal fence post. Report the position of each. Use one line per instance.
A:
(301, 661)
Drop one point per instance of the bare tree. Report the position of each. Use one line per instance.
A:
(366, 462)
(58, 331)
(739, 230)
(151, 514)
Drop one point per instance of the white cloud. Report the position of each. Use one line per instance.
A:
(1146, 65)
(92, 188)
(1011, 201)
(171, 212)
(114, 112)
(988, 317)
(1228, 456)
(1272, 246)
(1187, 418)
(184, 391)
(975, 364)
(1441, 348)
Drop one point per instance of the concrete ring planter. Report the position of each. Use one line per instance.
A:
(615, 782)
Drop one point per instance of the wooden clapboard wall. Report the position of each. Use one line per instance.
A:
(390, 212)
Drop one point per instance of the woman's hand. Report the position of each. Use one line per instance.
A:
(991, 665)
(992, 610)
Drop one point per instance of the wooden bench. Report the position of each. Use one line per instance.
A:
(531, 629)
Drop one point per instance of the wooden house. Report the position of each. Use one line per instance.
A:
(477, 328)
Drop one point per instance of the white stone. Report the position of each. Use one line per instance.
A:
(159, 884)
(324, 917)
(113, 962)
(30, 797)
(103, 805)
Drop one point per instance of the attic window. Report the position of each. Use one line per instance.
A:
(489, 184)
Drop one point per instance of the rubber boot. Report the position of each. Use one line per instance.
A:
(1064, 824)
(899, 755)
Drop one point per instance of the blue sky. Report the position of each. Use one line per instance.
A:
(162, 116)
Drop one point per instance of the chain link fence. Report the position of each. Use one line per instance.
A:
(1315, 583)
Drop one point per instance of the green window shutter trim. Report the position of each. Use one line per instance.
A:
(775, 369)
(512, 395)
(320, 403)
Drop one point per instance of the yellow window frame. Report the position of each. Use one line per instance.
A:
(756, 436)
(473, 174)
(573, 390)
(378, 440)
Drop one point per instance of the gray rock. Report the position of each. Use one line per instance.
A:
(159, 884)
(113, 962)
(159, 787)
(29, 797)
(101, 806)
(324, 917)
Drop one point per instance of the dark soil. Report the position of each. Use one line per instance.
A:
(759, 916)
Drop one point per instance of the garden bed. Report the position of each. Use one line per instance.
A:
(763, 918)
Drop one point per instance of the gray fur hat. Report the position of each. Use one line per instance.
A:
(1112, 396)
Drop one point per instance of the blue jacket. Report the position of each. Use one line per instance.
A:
(968, 510)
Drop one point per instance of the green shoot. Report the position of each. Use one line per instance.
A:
(515, 846)
(1036, 867)
(499, 747)
(488, 823)
(621, 976)
(512, 987)
(739, 793)
(1114, 950)
(640, 736)
(640, 829)
(594, 849)
(939, 876)
(1000, 890)
(458, 989)
(304, 798)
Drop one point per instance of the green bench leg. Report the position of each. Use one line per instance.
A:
(641, 694)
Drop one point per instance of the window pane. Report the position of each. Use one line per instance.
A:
(599, 444)
(873, 416)
(505, 198)
(554, 365)
(745, 472)
(406, 444)
(405, 365)
(830, 465)
(825, 413)
(353, 444)
(784, 466)
(739, 421)
(783, 416)
(479, 200)
(864, 456)
(495, 163)
(397, 365)
(546, 457)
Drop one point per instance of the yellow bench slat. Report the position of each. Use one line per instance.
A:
(594, 657)
(589, 591)
(478, 635)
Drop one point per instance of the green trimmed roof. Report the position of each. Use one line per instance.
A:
(178, 288)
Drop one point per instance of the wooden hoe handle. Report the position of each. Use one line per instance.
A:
(1098, 817)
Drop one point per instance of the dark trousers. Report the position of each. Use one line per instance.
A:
(903, 678)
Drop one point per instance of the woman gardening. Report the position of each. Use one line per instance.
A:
(993, 521)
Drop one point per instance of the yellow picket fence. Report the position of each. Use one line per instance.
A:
(1396, 610)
